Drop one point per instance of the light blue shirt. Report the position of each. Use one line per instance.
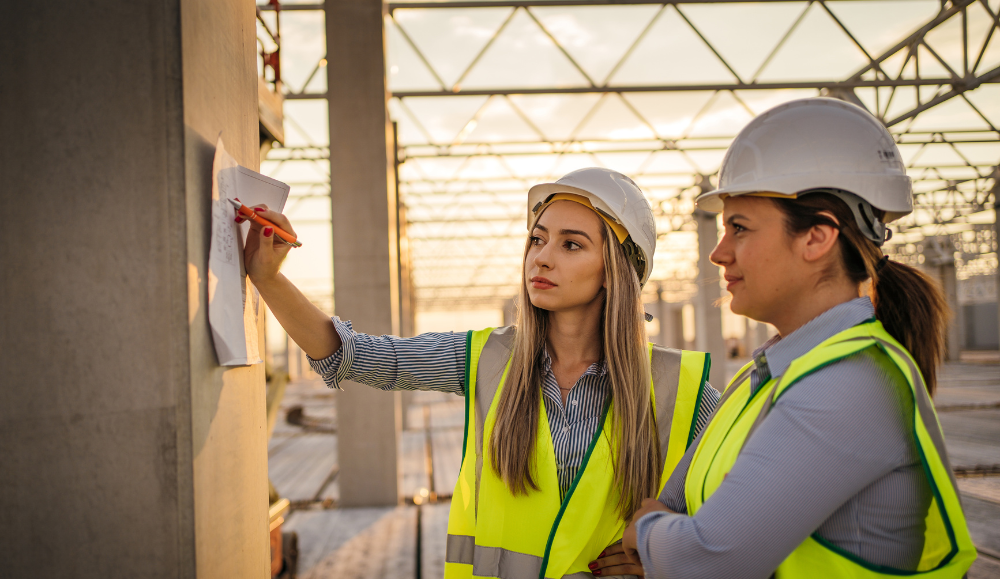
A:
(836, 456)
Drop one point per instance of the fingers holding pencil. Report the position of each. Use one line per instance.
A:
(257, 216)
(272, 216)
(262, 255)
(240, 218)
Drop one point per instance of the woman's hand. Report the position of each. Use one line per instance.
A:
(614, 561)
(630, 542)
(305, 323)
(623, 558)
(264, 252)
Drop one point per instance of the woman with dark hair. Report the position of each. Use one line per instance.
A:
(824, 457)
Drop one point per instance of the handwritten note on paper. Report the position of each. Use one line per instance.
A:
(234, 306)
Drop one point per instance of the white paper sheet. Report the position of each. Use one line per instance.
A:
(233, 303)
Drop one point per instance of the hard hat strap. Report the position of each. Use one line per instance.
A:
(635, 257)
(869, 223)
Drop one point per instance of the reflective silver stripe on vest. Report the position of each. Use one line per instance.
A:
(577, 576)
(503, 563)
(924, 405)
(666, 372)
(585, 575)
(492, 361)
(459, 549)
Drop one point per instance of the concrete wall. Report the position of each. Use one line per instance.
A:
(228, 421)
(125, 450)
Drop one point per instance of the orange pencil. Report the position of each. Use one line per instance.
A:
(251, 215)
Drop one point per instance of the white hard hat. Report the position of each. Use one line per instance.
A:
(617, 199)
(818, 144)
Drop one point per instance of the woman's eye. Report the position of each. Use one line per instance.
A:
(738, 228)
(572, 245)
(535, 240)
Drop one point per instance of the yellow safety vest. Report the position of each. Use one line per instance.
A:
(492, 533)
(948, 550)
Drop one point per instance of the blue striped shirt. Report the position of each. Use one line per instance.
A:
(836, 456)
(436, 361)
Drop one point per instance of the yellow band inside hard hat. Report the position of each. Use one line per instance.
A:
(764, 194)
(620, 232)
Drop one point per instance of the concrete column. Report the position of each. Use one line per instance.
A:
(939, 263)
(708, 316)
(996, 233)
(661, 317)
(407, 312)
(749, 344)
(510, 312)
(671, 322)
(365, 248)
(761, 334)
(756, 335)
(126, 451)
(677, 323)
(953, 335)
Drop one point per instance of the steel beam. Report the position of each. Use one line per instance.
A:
(959, 87)
(544, 3)
(991, 78)
(393, 6)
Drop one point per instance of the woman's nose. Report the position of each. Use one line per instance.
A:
(721, 255)
(543, 258)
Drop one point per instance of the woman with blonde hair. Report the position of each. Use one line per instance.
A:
(825, 457)
(572, 417)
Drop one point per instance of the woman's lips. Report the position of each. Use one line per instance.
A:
(541, 283)
(732, 281)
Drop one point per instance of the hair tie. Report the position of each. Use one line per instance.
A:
(881, 263)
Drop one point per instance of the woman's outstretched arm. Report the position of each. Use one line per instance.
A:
(336, 352)
(306, 324)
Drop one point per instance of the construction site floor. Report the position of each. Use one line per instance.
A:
(407, 542)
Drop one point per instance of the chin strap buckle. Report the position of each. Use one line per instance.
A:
(869, 223)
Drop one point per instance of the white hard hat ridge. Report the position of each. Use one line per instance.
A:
(612, 194)
(811, 144)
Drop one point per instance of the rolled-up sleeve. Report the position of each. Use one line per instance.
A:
(430, 361)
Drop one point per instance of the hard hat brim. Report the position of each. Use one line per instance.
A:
(791, 185)
(539, 193)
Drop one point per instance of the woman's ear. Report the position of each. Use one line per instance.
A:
(820, 240)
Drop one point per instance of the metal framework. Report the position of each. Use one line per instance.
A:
(269, 43)
(464, 194)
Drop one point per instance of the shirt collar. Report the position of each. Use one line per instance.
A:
(779, 353)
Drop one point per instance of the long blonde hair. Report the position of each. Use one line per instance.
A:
(635, 445)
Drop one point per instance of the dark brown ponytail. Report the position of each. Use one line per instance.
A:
(909, 304)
